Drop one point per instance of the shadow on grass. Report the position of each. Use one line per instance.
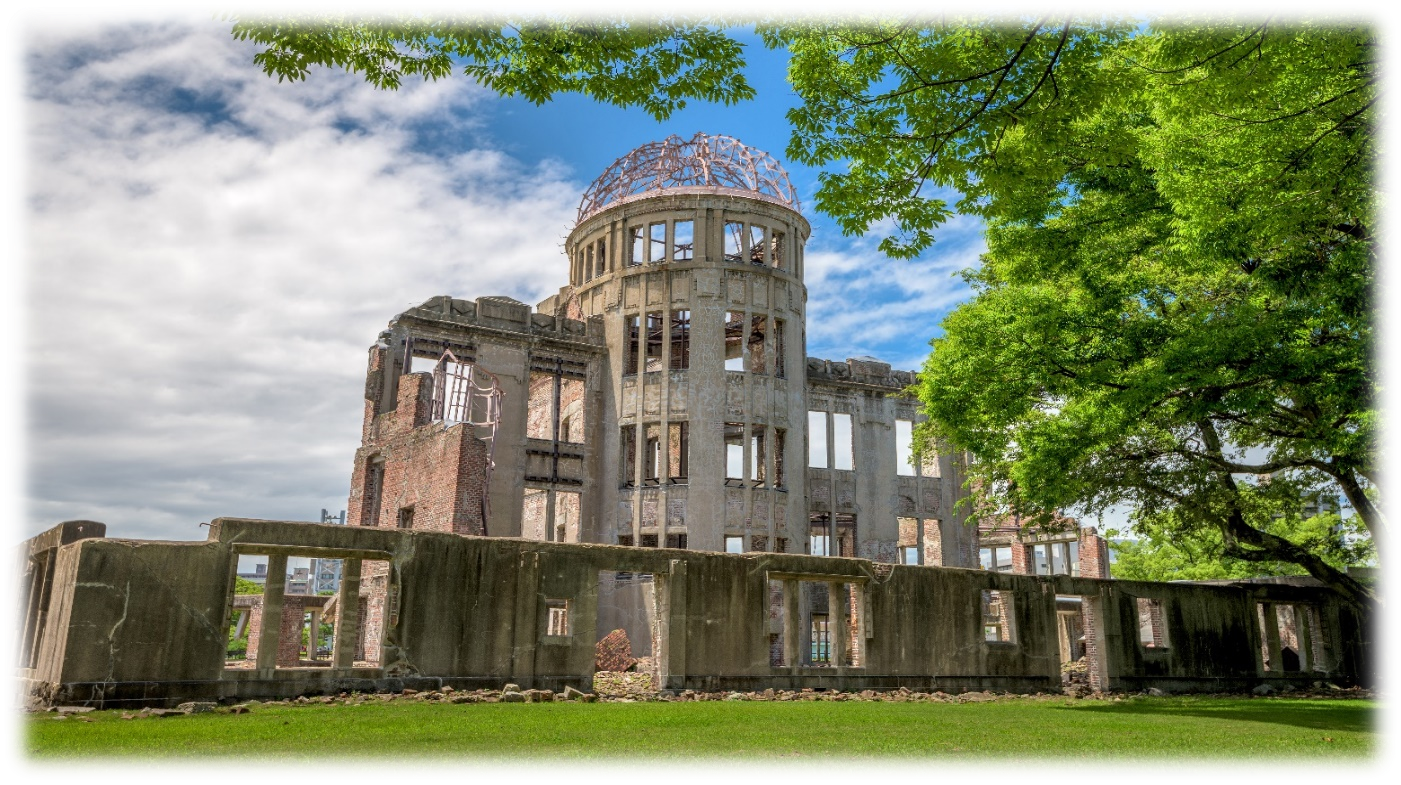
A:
(1350, 716)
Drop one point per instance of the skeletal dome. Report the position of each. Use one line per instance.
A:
(703, 164)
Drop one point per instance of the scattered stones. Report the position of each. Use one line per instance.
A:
(1157, 693)
(570, 694)
(241, 708)
(511, 688)
(512, 696)
(1264, 689)
(408, 691)
(72, 709)
(196, 707)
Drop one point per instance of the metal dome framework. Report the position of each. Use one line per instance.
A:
(703, 164)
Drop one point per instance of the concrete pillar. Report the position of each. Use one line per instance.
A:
(527, 611)
(312, 632)
(673, 624)
(347, 616)
(837, 631)
(1276, 664)
(273, 590)
(792, 625)
(1304, 628)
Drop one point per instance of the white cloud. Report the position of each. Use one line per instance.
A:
(209, 254)
(862, 302)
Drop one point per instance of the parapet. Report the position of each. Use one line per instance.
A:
(859, 371)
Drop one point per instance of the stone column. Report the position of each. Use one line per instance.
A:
(273, 591)
(792, 623)
(836, 625)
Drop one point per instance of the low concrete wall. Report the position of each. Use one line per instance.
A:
(146, 623)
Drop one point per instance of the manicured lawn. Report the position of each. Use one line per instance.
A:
(1173, 727)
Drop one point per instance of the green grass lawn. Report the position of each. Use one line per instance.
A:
(1176, 727)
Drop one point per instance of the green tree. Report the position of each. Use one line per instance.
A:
(245, 586)
(1177, 293)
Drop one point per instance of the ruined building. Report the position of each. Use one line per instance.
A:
(648, 450)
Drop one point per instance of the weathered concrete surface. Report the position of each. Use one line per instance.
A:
(145, 623)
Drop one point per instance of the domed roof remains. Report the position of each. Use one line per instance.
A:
(702, 164)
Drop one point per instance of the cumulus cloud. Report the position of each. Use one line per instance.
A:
(209, 254)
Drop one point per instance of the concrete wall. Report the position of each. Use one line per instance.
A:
(134, 622)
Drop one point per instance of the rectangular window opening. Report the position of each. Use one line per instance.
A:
(588, 263)
(627, 447)
(757, 458)
(406, 517)
(628, 623)
(817, 440)
(374, 491)
(1151, 631)
(676, 540)
(557, 618)
(997, 616)
(652, 455)
(734, 241)
(571, 410)
(678, 450)
(535, 509)
(656, 248)
(632, 325)
(777, 618)
(819, 534)
(540, 406)
(904, 448)
(779, 371)
(656, 335)
(780, 251)
(780, 441)
(842, 454)
(637, 246)
(683, 242)
(566, 520)
(845, 533)
(734, 341)
(758, 354)
(649, 541)
(734, 544)
(734, 451)
(757, 246)
(680, 340)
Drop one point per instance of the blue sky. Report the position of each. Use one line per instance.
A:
(209, 255)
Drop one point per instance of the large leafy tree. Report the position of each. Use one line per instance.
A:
(1177, 295)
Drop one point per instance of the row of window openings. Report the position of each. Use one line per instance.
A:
(1052, 558)
(666, 459)
(674, 241)
(757, 350)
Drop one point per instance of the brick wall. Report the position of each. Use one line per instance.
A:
(1094, 554)
(439, 471)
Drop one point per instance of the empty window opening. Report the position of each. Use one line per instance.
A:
(757, 457)
(996, 558)
(734, 451)
(756, 244)
(909, 554)
(904, 447)
(625, 540)
(844, 534)
(1070, 631)
(378, 613)
(676, 540)
(566, 516)
(649, 541)
(656, 336)
(603, 265)
(734, 341)
(374, 491)
(1055, 558)
(557, 618)
(734, 543)
(652, 456)
(780, 545)
(246, 600)
(759, 543)
(628, 455)
(997, 616)
(588, 262)
(535, 511)
(540, 406)
(817, 440)
(656, 247)
(571, 410)
(637, 247)
(780, 441)
(734, 241)
(758, 354)
(680, 340)
(683, 243)
(629, 635)
(908, 542)
(632, 325)
(777, 624)
(406, 517)
(778, 368)
(678, 449)
(842, 456)
(819, 534)
(1151, 631)
(820, 652)
(780, 251)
